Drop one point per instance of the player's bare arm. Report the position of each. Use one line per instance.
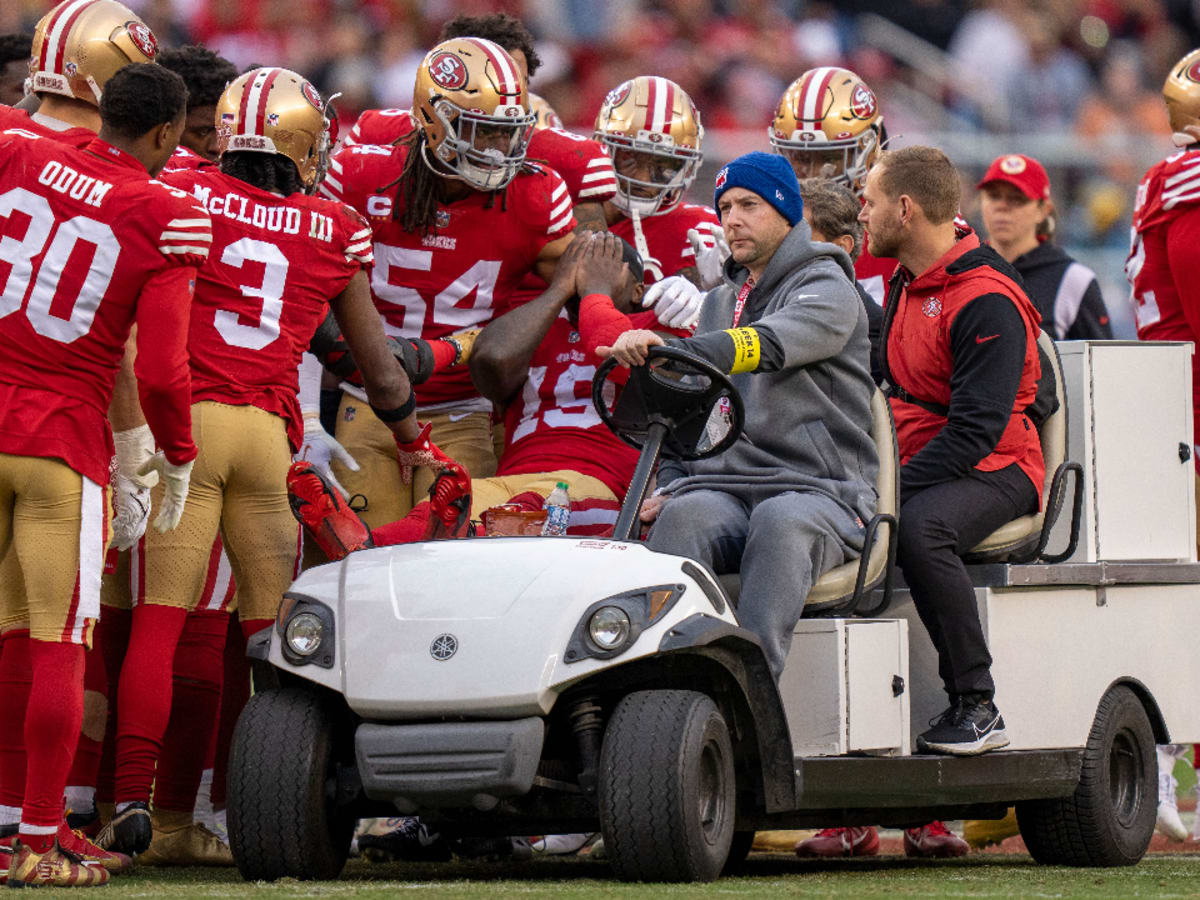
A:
(546, 261)
(590, 217)
(500, 358)
(384, 379)
(125, 411)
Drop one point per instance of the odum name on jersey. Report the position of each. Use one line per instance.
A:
(67, 181)
(284, 219)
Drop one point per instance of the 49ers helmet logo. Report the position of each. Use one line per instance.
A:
(143, 38)
(617, 95)
(448, 71)
(1192, 72)
(863, 103)
(310, 94)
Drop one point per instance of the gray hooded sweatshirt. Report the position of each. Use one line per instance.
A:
(808, 404)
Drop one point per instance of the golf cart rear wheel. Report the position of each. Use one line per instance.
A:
(1109, 820)
(283, 817)
(667, 787)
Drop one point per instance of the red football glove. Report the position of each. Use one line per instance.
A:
(421, 452)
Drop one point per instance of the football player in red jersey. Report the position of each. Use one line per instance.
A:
(652, 131)
(459, 218)
(206, 75)
(104, 245)
(278, 257)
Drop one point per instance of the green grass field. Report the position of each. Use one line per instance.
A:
(764, 875)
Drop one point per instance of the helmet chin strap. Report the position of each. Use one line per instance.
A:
(1183, 139)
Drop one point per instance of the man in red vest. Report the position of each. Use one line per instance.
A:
(959, 352)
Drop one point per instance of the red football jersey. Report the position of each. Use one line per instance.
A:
(553, 424)
(92, 245)
(467, 270)
(1166, 308)
(275, 263)
(380, 126)
(662, 240)
(183, 158)
(873, 272)
(11, 117)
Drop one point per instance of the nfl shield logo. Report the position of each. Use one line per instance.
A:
(272, 118)
(721, 176)
(443, 218)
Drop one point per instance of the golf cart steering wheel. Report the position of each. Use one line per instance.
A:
(683, 394)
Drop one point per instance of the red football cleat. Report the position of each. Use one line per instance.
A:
(933, 841)
(834, 842)
(450, 504)
(324, 513)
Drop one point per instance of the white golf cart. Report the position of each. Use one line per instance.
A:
(501, 686)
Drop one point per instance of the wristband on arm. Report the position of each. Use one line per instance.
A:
(601, 323)
(403, 411)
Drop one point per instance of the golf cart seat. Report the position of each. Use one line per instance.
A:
(1024, 539)
(842, 590)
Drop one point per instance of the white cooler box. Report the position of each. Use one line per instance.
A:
(838, 665)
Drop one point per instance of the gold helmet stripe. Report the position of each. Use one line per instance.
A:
(812, 99)
(253, 113)
(510, 79)
(660, 103)
(55, 43)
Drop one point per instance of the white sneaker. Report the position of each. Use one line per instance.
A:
(559, 844)
(1168, 822)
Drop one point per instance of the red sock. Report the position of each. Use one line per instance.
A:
(235, 692)
(404, 531)
(86, 767)
(112, 637)
(52, 723)
(16, 676)
(144, 697)
(195, 702)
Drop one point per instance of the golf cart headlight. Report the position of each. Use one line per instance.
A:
(304, 634)
(609, 627)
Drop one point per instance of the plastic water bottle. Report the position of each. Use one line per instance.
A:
(558, 511)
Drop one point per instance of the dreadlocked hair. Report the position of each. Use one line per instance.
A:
(419, 188)
(272, 172)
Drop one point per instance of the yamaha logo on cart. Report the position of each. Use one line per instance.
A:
(443, 647)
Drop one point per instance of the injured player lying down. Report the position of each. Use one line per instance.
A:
(538, 365)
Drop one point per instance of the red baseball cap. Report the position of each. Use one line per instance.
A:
(1023, 172)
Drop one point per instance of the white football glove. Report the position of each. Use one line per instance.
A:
(133, 512)
(710, 261)
(321, 447)
(134, 446)
(175, 481)
(675, 300)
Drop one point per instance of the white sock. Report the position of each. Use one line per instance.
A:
(80, 799)
(10, 815)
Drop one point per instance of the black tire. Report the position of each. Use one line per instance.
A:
(739, 849)
(667, 787)
(283, 819)
(1109, 820)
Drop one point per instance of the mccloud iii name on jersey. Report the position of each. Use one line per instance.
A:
(284, 219)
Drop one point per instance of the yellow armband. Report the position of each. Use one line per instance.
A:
(746, 352)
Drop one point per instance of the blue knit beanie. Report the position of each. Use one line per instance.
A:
(767, 174)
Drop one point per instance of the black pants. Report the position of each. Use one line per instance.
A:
(937, 525)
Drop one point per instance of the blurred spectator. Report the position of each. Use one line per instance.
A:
(14, 66)
(1045, 95)
(990, 48)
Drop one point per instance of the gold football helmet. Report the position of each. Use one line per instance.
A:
(828, 125)
(471, 103)
(273, 110)
(545, 115)
(652, 130)
(80, 44)
(1181, 91)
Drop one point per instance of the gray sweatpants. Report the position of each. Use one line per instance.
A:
(781, 545)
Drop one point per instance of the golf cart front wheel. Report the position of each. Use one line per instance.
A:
(284, 820)
(667, 787)
(1109, 820)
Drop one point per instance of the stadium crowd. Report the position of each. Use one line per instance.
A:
(273, 319)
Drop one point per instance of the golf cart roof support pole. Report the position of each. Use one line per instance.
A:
(628, 521)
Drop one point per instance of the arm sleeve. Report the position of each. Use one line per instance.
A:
(813, 324)
(1091, 322)
(987, 343)
(161, 366)
(1183, 237)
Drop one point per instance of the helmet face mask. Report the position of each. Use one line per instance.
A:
(652, 131)
(828, 125)
(471, 104)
